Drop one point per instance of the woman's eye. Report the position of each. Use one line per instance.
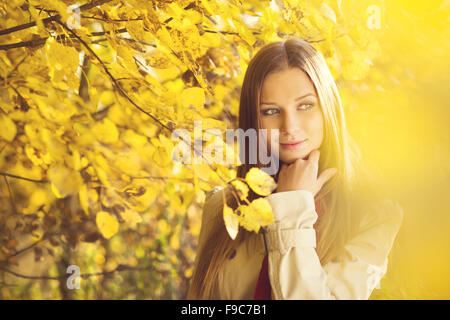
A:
(305, 106)
(269, 112)
(273, 111)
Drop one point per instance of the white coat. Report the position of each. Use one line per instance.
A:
(294, 268)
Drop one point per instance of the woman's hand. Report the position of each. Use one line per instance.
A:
(302, 175)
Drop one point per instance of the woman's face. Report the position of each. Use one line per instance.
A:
(289, 103)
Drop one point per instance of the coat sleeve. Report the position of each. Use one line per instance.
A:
(295, 271)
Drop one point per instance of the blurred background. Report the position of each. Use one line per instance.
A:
(401, 124)
(86, 176)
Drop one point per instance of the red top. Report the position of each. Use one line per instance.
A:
(263, 290)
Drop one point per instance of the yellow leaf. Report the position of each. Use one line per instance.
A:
(8, 129)
(31, 154)
(241, 187)
(133, 139)
(161, 157)
(64, 181)
(188, 273)
(203, 171)
(107, 98)
(175, 242)
(211, 39)
(204, 185)
(263, 210)
(63, 63)
(118, 115)
(231, 221)
(99, 259)
(166, 142)
(163, 154)
(247, 218)
(56, 191)
(125, 57)
(131, 217)
(56, 149)
(103, 176)
(258, 214)
(328, 12)
(38, 198)
(143, 202)
(106, 131)
(163, 227)
(129, 163)
(225, 173)
(208, 6)
(107, 224)
(88, 197)
(110, 197)
(136, 29)
(246, 34)
(193, 96)
(260, 182)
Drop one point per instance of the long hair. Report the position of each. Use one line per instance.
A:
(340, 207)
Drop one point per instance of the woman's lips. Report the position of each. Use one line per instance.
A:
(292, 145)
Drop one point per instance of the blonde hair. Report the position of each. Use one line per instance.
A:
(339, 207)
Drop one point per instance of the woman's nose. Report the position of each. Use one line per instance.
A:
(290, 124)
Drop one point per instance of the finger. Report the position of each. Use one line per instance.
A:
(313, 161)
(326, 175)
(300, 160)
(314, 156)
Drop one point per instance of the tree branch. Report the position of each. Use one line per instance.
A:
(116, 84)
(3, 148)
(119, 268)
(29, 277)
(13, 69)
(22, 178)
(164, 178)
(84, 7)
(45, 237)
(111, 20)
(59, 38)
(13, 204)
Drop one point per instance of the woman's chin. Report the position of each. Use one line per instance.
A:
(293, 158)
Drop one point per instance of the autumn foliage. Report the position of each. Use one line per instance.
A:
(90, 94)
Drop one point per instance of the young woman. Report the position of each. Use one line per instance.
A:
(332, 232)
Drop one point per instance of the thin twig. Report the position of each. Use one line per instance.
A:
(22, 178)
(13, 69)
(3, 148)
(30, 277)
(164, 178)
(116, 84)
(111, 20)
(84, 7)
(11, 198)
(119, 268)
(59, 38)
(24, 249)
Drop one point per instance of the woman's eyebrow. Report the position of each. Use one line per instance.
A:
(299, 98)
